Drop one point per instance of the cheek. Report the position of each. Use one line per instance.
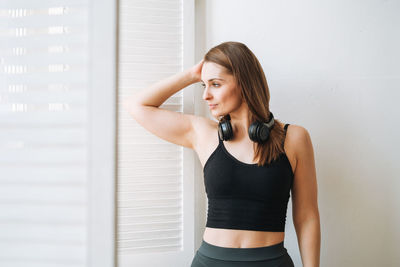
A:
(227, 96)
(234, 98)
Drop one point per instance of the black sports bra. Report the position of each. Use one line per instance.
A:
(247, 196)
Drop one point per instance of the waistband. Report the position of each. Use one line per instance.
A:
(242, 254)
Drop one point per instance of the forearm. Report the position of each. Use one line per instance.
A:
(159, 92)
(309, 238)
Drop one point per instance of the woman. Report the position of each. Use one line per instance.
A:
(251, 161)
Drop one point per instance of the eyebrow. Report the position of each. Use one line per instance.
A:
(214, 79)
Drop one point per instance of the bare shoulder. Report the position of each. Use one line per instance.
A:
(296, 131)
(298, 142)
(205, 137)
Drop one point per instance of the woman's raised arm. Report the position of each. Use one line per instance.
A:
(174, 127)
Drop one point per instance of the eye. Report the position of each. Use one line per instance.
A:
(215, 84)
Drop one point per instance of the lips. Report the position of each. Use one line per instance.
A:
(212, 105)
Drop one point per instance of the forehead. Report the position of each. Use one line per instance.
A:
(212, 70)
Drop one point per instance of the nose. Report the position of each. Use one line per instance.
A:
(206, 94)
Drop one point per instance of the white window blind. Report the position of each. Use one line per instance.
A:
(57, 133)
(43, 117)
(155, 187)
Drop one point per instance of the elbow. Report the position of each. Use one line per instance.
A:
(311, 216)
(132, 107)
(129, 103)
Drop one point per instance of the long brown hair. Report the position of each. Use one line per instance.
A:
(239, 61)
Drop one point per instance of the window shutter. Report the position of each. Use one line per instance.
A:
(155, 187)
(43, 120)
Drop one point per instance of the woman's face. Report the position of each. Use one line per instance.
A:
(220, 89)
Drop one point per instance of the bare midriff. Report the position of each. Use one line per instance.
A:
(233, 238)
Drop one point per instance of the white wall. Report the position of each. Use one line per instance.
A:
(333, 68)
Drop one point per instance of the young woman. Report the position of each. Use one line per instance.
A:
(250, 161)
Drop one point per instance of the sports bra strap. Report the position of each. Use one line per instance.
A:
(285, 128)
(286, 125)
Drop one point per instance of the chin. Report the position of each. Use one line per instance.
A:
(215, 116)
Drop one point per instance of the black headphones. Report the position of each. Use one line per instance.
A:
(258, 131)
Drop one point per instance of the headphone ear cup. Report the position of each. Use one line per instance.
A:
(264, 133)
(258, 132)
(225, 131)
(253, 131)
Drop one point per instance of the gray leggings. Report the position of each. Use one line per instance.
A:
(209, 255)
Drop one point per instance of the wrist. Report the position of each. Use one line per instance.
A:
(190, 76)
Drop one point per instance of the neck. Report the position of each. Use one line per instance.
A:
(240, 122)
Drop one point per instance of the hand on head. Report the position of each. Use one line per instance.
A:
(196, 71)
